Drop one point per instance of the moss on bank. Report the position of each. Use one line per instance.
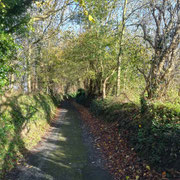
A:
(23, 121)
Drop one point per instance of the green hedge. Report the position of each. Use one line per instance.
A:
(153, 132)
(83, 98)
(23, 120)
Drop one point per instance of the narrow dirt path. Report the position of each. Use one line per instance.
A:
(67, 153)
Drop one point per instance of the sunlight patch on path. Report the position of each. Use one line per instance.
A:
(65, 153)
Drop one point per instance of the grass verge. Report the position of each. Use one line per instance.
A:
(23, 121)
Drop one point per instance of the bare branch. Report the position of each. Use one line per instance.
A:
(146, 37)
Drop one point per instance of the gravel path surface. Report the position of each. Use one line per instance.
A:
(66, 153)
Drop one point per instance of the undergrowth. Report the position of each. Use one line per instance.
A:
(152, 129)
(23, 120)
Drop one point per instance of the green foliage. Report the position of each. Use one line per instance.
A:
(144, 105)
(7, 50)
(94, 53)
(153, 131)
(13, 19)
(23, 121)
(13, 15)
(160, 140)
(81, 96)
(111, 110)
(72, 95)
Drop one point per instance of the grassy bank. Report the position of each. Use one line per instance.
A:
(23, 121)
(153, 130)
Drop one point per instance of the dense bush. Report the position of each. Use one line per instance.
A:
(154, 131)
(82, 97)
(23, 120)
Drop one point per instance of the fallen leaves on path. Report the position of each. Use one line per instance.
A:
(122, 161)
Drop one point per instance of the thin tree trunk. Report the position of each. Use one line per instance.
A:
(36, 83)
(104, 89)
(29, 82)
(105, 83)
(28, 69)
(11, 85)
(119, 59)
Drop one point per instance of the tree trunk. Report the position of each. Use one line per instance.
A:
(105, 83)
(119, 59)
(118, 75)
(36, 83)
(165, 43)
(29, 83)
(11, 85)
(28, 69)
(104, 89)
(91, 87)
(159, 80)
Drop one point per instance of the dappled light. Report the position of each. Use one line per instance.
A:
(62, 153)
(89, 89)
(19, 116)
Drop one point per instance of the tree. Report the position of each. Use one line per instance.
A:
(13, 20)
(94, 52)
(161, 30)
(46, 20)
(119, 58)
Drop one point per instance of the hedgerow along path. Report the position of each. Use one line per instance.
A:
(66, 153)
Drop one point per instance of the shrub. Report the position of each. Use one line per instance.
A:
(83, 98)
(153, 129)
(23, 120)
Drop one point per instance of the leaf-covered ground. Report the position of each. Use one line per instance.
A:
(122, 161)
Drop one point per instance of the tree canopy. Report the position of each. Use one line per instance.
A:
(120, 58)
(113, 43)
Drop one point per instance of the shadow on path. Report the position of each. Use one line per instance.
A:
(16, 113)
(64, 154)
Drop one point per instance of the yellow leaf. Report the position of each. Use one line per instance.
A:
(82, 3)
(2, 4)
(38, 4)
(91, 19)
(148, 167)
(86, 12)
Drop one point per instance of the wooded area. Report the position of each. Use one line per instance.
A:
(122, 51)
(114, 44)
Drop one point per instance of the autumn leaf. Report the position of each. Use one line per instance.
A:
(163, 174)
(86, 12)
(122, 162)
(148, 167)
(91, 19)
